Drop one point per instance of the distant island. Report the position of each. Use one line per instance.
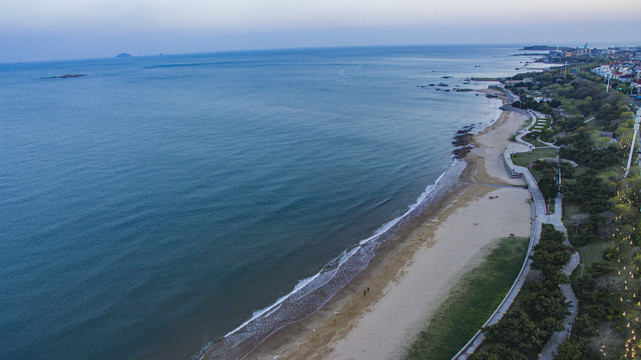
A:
(66, 76)
(544, 48)
(124, 55)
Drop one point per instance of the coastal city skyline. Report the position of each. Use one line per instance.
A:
(37, 30)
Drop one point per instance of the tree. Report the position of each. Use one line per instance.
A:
(588, 231)
(575, 348)
(548, 187)
(545, 304)
(516, 331)
(500, 352)
(550, 254)
(590, 192)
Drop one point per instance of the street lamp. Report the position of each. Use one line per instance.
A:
(637, 119)
(581, 277)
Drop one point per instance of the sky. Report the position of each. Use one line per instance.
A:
(39, 30)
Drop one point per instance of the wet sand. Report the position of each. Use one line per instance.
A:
(413, 272)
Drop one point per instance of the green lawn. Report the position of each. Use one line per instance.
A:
(525, 159)
(569, 210)
(594, 124)
(538, 143)
(592, 252)
(580, 170)
(531, 136)
(470, 303)
(612, 171)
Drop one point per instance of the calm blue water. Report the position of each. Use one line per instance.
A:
(155, 205)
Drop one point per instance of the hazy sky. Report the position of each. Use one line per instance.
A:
(67, 29)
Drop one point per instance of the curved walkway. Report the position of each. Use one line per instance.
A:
(549, 145)
(556, 159)
(539, 217)
(550, 349)
(538, 212)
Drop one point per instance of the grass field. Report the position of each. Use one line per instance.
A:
(531, 136)
(538, 143)
(570, 210)
(470, 304)
(525, 159)
(593, 252)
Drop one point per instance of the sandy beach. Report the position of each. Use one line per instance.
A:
(383, 308)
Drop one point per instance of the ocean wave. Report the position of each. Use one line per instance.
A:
(312, 293)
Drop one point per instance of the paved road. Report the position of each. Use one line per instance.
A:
(512, 97)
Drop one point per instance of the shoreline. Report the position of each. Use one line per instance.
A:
(242, 343)
(357, 322)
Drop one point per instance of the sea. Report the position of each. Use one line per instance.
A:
(188, 206)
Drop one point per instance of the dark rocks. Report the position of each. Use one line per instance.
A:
(456, 87)
(465, 129)
(461, 152)
(484, 79)
(66, 76)
(462, 140)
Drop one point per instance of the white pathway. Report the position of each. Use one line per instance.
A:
(550, 349)
(539, 217)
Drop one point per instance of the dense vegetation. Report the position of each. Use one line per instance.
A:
(545, 175)
(580, 147)
(538, 310)
(608, 290)
(575, 98)
(590, 192)
(593, 127)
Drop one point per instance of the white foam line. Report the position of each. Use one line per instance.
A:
(346, 256)
(383, 229)
(419, 202)
(301, 284)
(258, 313)
(430, 189)
(342, 259)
